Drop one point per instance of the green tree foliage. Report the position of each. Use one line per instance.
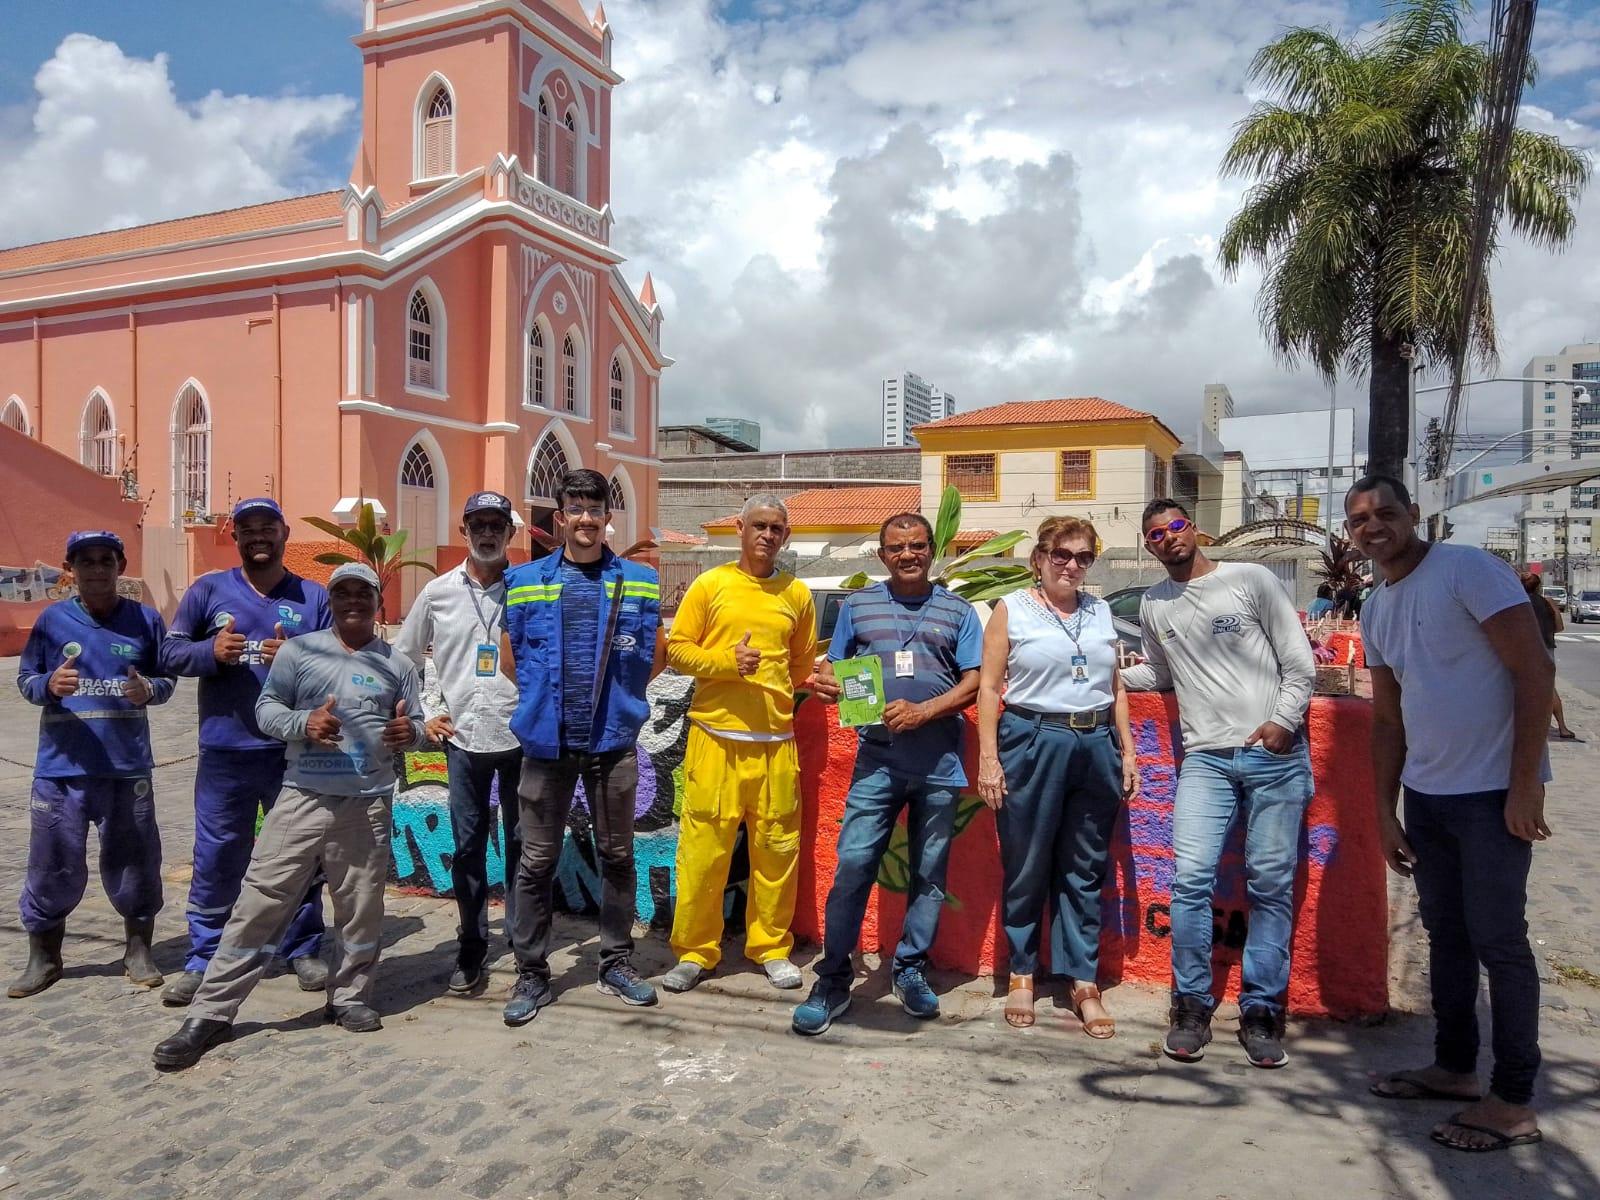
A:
(1364, 156)
(384, 553)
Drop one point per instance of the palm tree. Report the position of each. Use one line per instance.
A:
(1365, 156)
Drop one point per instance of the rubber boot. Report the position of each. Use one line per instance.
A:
(44, 963)
(136, 961)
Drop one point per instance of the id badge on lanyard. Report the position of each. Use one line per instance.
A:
(488, 659)
(904, 664)
(1080, 668)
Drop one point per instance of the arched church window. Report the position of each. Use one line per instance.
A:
(417, 470)
(618, 397)
(538, 395)
(546, 470)
(421, 343)
(569, 371)
(438, 135)
(542, 132)
(569, 155)
(98, 449)
(191, 455)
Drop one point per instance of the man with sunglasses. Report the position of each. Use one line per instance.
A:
(929, 644)
(582, 635)
(1227, 639)
(461, 615)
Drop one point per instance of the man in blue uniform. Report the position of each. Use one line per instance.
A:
(227, 632)
(91, 663)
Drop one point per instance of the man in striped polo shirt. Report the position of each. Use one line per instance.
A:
(930, 645)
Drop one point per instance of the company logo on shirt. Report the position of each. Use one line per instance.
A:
(624, 641)
(288, 616)
(1232, 623)
(221, 620)
(124, 650)
(72, 649)
(366, 681)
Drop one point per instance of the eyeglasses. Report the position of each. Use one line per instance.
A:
(1159, 534)
(906, 547)
(1065, 558)
(484, 528)
(578, 510)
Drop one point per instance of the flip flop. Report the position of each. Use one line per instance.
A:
(1100, 1028)
(1019, 1018)
(1502, 1141)
(1405, 1086)
(1568, 737)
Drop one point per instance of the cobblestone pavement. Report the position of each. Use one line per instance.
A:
(710, 1095)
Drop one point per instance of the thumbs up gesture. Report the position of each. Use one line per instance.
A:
(137, 689)
(269, 648)
(745, 656)
(397, 731)
(64, 679)
(322, 727)
(228, 645)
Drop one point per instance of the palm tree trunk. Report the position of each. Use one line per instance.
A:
(1389, 411)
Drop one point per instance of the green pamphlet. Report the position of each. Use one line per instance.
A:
(861, 691)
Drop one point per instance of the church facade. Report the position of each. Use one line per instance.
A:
(452, 319)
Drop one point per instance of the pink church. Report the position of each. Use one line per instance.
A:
(452, 319)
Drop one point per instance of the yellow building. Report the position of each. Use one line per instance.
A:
(1016, 464)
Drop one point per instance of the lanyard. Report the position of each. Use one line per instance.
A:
(1077, 620)
(472, 593)
(915, 625)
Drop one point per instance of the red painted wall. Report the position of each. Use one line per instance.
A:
(1340, 950)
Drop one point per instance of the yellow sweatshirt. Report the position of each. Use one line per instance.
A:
(720, 607)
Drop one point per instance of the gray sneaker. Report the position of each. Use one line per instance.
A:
(683, 976)
(782, 973)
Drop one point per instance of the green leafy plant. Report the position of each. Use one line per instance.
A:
(964, 575)
(894, 872)
(384, 553)
(1338, 566)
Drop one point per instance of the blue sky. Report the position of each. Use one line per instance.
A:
(1014, 198)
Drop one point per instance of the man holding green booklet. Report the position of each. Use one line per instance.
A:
(911, 650)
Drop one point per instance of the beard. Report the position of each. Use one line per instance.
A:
(490, 560)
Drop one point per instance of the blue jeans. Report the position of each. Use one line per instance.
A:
(471, 774)
(1214, 788)
(1063, 792)
(870, 810)
(1472, 893)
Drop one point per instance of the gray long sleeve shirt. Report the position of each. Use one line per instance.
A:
(459, 618)
(365, 684)
(1232, 647)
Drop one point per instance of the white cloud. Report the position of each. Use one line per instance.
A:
(111, 145)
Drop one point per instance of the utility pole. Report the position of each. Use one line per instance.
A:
(1333, 398)
(1566, 551)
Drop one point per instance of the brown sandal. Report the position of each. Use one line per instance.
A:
(1019, 1017)
(1099, 1028)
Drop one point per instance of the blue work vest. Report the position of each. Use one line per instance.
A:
(630, 613)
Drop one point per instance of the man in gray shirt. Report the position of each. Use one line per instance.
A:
(1225, 637)
(344, 702)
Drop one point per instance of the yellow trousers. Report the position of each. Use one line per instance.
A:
(726, 782)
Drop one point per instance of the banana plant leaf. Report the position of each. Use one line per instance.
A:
(948, 522)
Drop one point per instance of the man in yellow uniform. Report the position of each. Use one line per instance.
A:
(748, 633)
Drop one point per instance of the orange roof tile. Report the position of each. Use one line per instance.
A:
(823, 507)
(671, 537)
(1040, 412)
(256, 218)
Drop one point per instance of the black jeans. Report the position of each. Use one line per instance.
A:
(609, 783)
(470, 821)
(1472, 891)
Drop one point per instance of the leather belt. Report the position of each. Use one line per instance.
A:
(1077, 720)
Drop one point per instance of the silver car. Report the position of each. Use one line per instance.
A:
(1586, 608)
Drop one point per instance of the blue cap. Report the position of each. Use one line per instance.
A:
(264, 504)
(85, 538)
(487, 502)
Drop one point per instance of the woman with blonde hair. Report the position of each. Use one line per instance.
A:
(1052, 767)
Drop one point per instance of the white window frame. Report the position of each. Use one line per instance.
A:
(438, 388)
(541, 371)
(620, 380)
(99, 450)
(14, 404)
(424, 120)
(187, 437)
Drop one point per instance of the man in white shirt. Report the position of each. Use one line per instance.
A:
(1226, 638)
(1461, 686)
(461, 614)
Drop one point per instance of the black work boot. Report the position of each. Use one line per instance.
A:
(186, 1047)
(44, 963)
(140, 967)
(310, 972)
